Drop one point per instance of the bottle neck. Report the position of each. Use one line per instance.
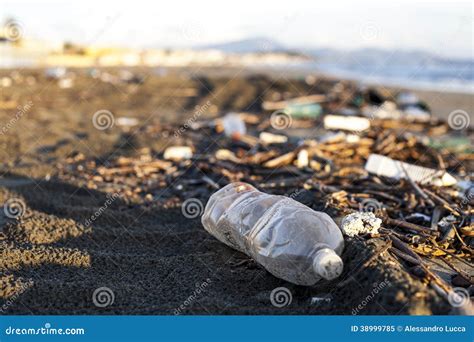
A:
(327, 264)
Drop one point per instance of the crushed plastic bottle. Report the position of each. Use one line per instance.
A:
(290, 240)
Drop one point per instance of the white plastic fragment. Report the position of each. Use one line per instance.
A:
(352, 138)
(413, 113)
(353, 123)
(56, 73)
(332, 137)
(234, 126)
(177, 153)
(127, 122)
(388, 110)
(387, 167)
(270, 138)
(360, 223)
(65, 83)
(302, 159)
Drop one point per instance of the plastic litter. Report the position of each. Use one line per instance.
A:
(270, 138)
(413, 113)
(178, 153)
(387, 110)
(300, 111)
(360, 223)
(302, 100)
(326, 299)
(65, 83)
(234, 126)
(290, 240)
(353, 123)
(302, 159)
(387, 167)
(55, 73)
(127, 121)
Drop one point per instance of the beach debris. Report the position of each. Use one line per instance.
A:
(338, 177)
(224, 154)
(126, 76)
(456, 144)
(388, 110)
(126, 121)
(280, 219)
(6, 82)
(302, 100)
(55, 73)
(387, 167)
(352, 138)
(282, 160)
(407, 99)
(446, 224)
(233, 125)
(270, 138)
(302, 159)
(348, 111)
(317, 300)
(352, 123)
(303, 110)
(66, 83)
(360, 223)
(178, 153)
(413, 113)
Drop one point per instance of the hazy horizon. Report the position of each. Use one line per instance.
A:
(442, 28)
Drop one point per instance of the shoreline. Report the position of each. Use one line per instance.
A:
(441, 102)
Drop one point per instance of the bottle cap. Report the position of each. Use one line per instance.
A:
(328, 264)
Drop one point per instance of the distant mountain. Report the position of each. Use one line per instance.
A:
(373, 57)
(258, 44)
(381, 57)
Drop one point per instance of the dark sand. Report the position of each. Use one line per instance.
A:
(154, 259)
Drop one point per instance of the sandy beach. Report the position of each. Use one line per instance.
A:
(154, 259)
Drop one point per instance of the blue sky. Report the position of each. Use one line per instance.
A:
(442, 27)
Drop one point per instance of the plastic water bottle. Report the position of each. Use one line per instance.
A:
(290, 240)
